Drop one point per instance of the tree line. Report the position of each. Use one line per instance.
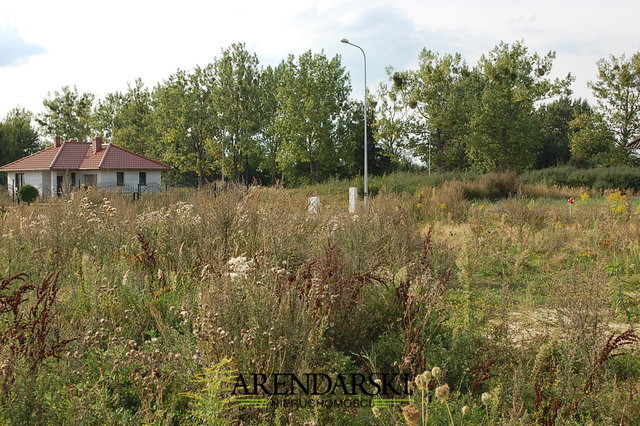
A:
(296, 122)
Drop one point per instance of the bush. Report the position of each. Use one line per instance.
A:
(599, 178)
(27, 193)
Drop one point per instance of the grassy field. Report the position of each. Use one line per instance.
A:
(521, 308)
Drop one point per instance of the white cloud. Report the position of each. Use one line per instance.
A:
(101, 46)
(14, 50)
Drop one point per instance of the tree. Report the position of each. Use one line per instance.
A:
(617, 92)
(554, 122)
(18, 138)
(128, 119)
(392, 126)
(592, 142)
(441, 93)
(184, 116)
(67, 114)
(503, 130)
(236, 94)
(270, 143)
(311, 95)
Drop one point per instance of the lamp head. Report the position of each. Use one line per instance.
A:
(344, 40)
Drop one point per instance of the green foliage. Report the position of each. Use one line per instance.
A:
(312, 93)
(27, 193)
(127, 119)
(617, 91)
(554, 120)
(183, 109)
(237, 95)
(592, 143)
(212, 402)
(67, 114)
(504, 133)
(598, 178)
(18, 138)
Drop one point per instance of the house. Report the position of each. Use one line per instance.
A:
(67, 166)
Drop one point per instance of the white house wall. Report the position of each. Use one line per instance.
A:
(30, 178)
(46, 181)
(108, 179)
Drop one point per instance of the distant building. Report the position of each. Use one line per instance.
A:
(71, 165)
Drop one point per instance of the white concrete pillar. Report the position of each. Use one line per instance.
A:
(353, 199)
(314, 205)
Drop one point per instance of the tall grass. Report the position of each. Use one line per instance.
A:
(158, 302)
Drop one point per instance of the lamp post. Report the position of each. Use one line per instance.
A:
(364, 102)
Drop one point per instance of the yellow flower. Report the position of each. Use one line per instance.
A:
(482, 207)
(443, 206)
(585, 196)
(616, 197)
(419, 205)
(622, 208)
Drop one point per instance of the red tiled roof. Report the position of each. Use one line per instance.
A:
(40, 160)
(120, 158)
(72, 155)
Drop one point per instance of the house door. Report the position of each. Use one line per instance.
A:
(59, 185)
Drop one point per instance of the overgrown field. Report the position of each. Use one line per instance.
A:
(115, 312)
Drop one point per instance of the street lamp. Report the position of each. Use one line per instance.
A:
(364, 102)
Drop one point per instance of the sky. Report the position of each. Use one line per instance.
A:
(101, 47)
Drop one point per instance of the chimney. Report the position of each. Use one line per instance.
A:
(96, 144)
(57, 141)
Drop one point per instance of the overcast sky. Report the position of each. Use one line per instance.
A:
(101, 46)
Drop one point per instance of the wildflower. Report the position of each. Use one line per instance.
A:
(411, 414)
(436, 373)
(443, 206)
(376, 412)
(486, 398)
(482, 207)
(442, 393)
(419, 205)
(585, 196)
(465, 410)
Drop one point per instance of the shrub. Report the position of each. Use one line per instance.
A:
(27, 193)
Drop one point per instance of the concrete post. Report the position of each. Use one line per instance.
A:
(353, 199)
(314, 205)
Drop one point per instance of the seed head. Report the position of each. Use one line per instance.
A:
(465, 410)
(486, 398)
(436, 373)
(442, 393)
(411, 414)
(421, 383)
(376, 412)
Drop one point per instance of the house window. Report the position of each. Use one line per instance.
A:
(91, 180)
(19, 180)
(73, 180)
(120, 178)
(142, 179)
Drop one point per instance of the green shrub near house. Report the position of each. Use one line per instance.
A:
(27, 193)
